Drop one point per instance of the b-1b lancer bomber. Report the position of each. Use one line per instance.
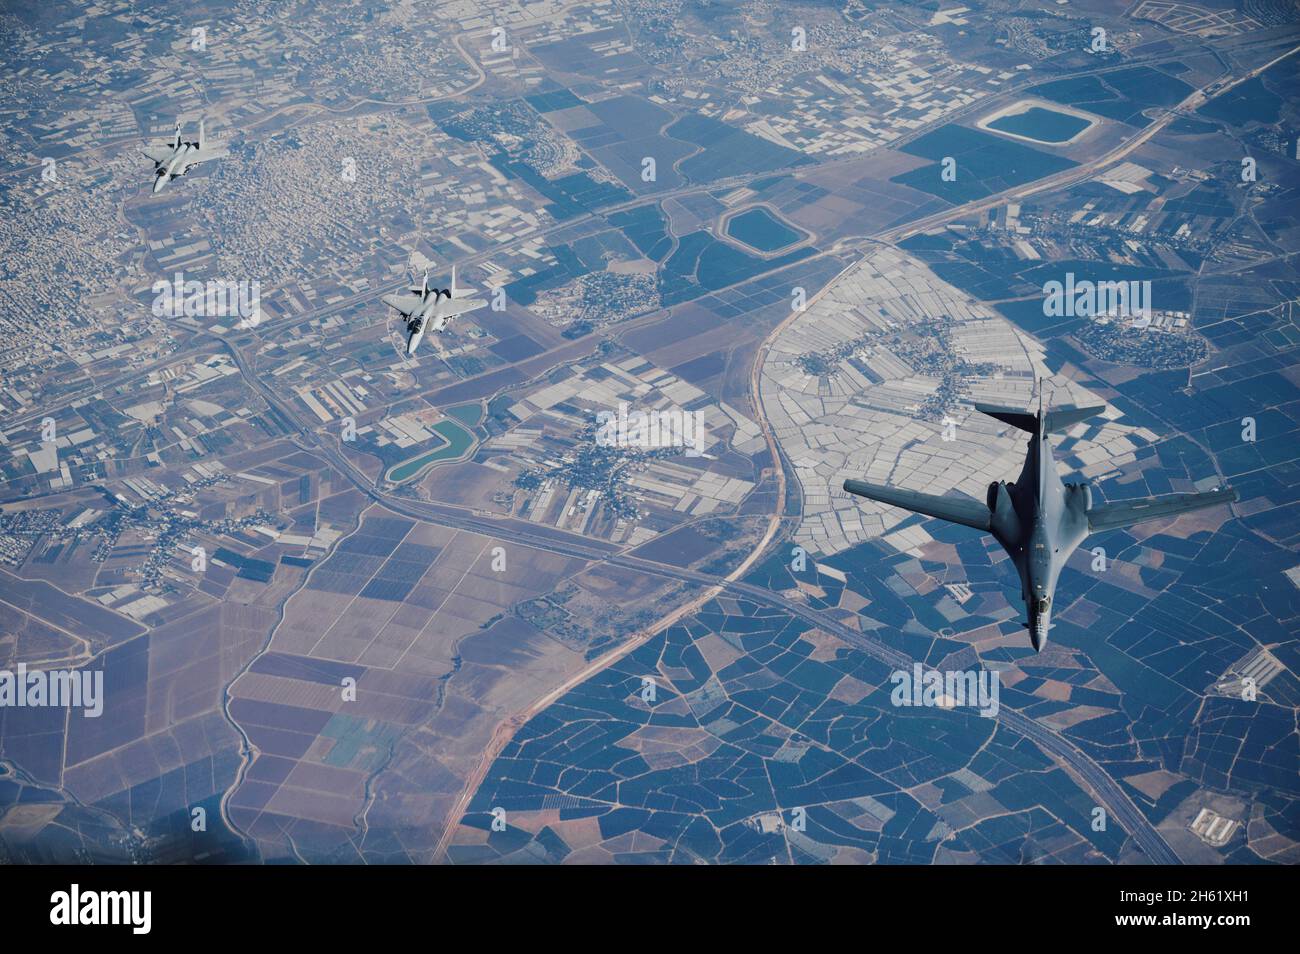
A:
(1039, 520)
(428, 308)
(173, 160)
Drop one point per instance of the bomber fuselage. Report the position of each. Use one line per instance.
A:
(1039, 521)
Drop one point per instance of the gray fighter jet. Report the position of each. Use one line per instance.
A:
(173, 160)
(431, 309)
(1038, 519)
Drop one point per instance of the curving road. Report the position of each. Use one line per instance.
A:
(1108, 792)
(563, 543)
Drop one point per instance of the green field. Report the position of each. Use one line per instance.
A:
(468, 414)
(760, 229)
(1042, 125)
(457, 440)
(986, 163)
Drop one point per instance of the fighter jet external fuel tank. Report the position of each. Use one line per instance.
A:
(176, 158)
(427, 308)
(1038, 519)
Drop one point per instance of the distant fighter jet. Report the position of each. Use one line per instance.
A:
(1037, 519)
(178, 157)
(428, 308)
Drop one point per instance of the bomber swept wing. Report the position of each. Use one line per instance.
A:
(1125, 513)
(963, 510)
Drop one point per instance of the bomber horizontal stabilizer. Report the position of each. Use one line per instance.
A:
(1010, 415)
(1061, 419)
(1054, 421)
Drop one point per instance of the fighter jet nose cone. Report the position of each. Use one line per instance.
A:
(1039, 639)
(158, 184)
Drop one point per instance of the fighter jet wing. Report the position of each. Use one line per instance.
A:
(158, 153)
(458, 306)
(963, 510)
(206, 154)
(403, 303)
(1125, 513)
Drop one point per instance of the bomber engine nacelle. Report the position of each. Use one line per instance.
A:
(1079, 496)
(1005, 522)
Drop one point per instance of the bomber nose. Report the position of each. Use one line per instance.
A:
(1041, 622)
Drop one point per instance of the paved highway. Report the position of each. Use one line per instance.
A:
(512, 530)
(1118, 805)
(894, 235)
(1194, 101)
